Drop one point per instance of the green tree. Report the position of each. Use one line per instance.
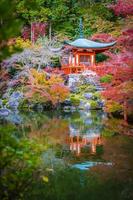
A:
(10, 25)
(61, 15)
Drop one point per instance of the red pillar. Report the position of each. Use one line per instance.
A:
(93, 59)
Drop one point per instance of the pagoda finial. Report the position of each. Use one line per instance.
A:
(81, 34)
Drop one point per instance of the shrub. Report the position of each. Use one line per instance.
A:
(75, 100)
(87, 88)
(93, 104)
(112, 107)
(106, 79)
(21, 43)
(101, 57)
(20, 161)
(43, 88)
(97, 95)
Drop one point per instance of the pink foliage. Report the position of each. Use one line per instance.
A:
(26, 32)
(122, 7)
(122, 58)
(37, 29)
(126, 40)
(103, 37)
(119, 93)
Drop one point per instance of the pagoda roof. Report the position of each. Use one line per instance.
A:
(89, 44)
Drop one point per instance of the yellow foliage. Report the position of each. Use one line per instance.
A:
(21, 43)
(112, 106)
(104, 25)
(45, 179)
(42, 87)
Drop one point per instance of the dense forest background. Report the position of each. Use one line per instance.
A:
(62, 17)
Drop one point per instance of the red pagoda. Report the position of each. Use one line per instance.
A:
(81, 53)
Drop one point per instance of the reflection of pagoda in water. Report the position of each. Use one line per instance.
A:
(77, 143)
(85, 133)
(81, 139)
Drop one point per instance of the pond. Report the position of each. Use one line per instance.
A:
(64, 156)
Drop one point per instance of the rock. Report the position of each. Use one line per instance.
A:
(14, 100)
(87, 106)
(15, 118)
(16, 95)
(39, 107)
(4, 112)
(67, 108)
(88, 121)
(73, 89)
(74, 81)
(1, 103)
(67, 102)
(5, 95)
(73, 109)
(13, 104)
(89, 73)
(100, 104)
(84, 105)
(88, 95)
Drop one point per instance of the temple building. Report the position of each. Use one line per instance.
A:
(80, 54)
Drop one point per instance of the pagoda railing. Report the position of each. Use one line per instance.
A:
(99, 69)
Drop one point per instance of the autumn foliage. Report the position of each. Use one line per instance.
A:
(43, 88)
(118, 91)
(33, 32)
(122, 7)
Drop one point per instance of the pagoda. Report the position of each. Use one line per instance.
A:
(80, 54)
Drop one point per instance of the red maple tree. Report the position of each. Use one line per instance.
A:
(122, 7)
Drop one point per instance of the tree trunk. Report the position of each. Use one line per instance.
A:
(31, 36)
(50, 31)
(125, 110)
(32, 33)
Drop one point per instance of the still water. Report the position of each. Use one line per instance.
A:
(82, 159)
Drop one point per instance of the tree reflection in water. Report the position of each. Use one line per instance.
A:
(70, 139)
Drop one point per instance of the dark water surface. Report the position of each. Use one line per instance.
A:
(81, 160)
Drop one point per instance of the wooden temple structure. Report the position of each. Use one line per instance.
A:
(80, 54)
